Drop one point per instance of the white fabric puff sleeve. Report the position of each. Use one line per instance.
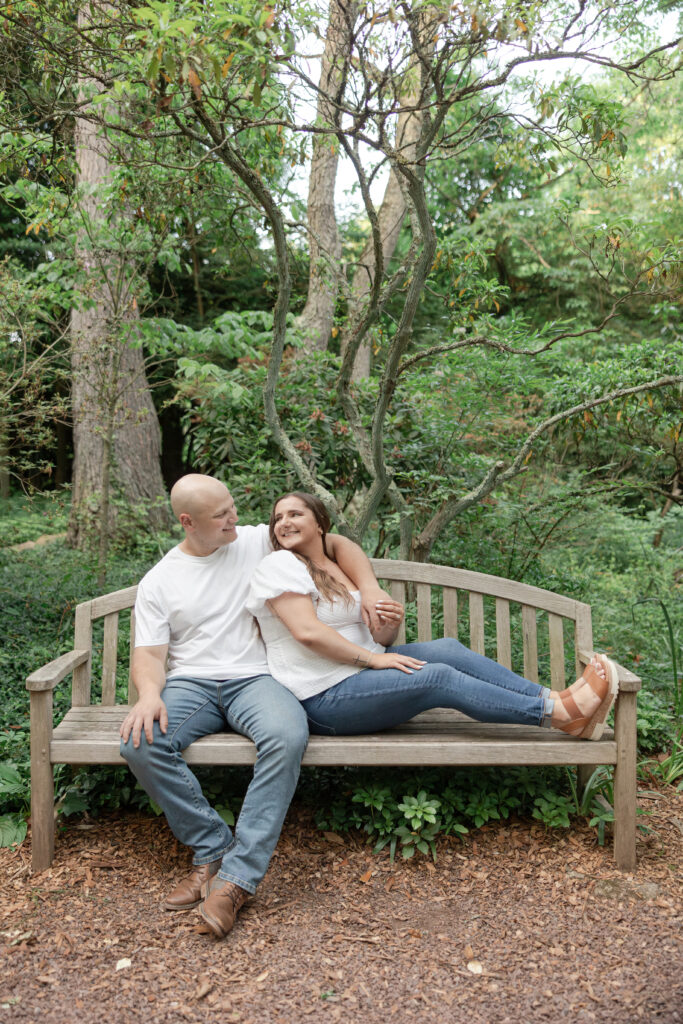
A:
(278, 573)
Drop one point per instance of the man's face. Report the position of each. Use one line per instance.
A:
(213, 525)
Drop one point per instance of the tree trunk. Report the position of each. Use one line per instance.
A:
(390, 216)
(108, 371)
(325, 245)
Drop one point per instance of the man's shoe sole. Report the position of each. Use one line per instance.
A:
(181, 909)
(213, 925)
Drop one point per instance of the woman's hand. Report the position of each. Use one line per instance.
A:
(399, 661)
(390, 612)
(389, 615)
(370, 598)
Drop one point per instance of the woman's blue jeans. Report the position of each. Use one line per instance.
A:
(454, 677)
(269, 715)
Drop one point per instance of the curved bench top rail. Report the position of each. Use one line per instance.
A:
(117, 601)
(410, 572)
(477, 583)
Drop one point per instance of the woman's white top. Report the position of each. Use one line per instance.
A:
(297, 667)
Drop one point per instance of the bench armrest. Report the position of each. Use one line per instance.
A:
(47, 677)
(628, 682)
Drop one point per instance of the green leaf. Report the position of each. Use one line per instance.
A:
(226, 814)
(73, 803)
(12, 829)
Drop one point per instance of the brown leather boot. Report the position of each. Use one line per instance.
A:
(223, 902)
(188, 892)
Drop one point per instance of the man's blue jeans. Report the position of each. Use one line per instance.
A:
(269, 715)
(455, 677)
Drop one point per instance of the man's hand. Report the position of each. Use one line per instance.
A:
(371, 601)
(142, 717)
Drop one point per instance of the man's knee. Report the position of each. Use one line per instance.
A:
(140, 755)
(286, 735)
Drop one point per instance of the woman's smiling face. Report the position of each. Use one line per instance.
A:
(295, 525)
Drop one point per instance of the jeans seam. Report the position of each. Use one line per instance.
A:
(238, 722)
(181, 765)
(321, 725)
(187, 718)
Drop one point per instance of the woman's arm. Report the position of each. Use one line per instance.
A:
(297, 612)
(355, 564)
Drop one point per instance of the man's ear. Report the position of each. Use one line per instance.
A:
(185, 520)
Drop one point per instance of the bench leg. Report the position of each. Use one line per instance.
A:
(625, 790)
(42, 783)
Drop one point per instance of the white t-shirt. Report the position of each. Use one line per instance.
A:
(298, 668)
(196, 605)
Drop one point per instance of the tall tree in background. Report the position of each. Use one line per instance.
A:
(325, 248)
(117, 441)
(325, 274)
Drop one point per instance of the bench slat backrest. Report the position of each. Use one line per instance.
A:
(455, 585)
(462, 584)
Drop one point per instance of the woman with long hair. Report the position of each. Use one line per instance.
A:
(353, 681)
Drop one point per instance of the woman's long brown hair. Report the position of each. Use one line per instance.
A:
(327, 585)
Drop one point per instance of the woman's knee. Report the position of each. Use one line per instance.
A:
(445, 645)
(435, 675)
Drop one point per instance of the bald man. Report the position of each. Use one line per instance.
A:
(200, 667)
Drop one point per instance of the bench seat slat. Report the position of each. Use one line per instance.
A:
(385, 750)
(446, 737)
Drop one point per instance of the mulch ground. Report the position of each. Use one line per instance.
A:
(514, 925)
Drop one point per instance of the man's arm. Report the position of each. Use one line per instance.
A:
(353, 561)
(148, 672)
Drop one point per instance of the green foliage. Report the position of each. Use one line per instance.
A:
(26, 518)
(668, 769)
(13, 829)
(657, 725)
(406, 810)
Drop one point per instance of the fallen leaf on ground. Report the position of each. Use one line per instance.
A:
(332, 837)
(475, 967)
(122, 964)
(204, 988)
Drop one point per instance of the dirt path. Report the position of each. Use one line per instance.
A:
(515, 925)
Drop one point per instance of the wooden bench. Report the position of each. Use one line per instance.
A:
(89, 733)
